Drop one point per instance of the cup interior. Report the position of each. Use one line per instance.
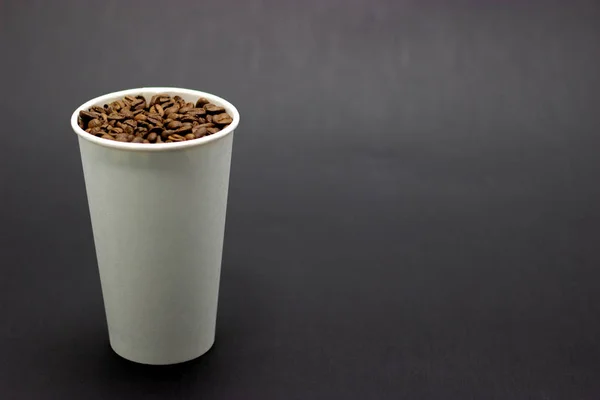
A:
(187, 94)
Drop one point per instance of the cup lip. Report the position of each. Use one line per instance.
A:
(145, 147)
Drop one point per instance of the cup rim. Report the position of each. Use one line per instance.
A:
(145, 147)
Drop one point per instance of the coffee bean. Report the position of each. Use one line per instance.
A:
(222, 119)
(189, 118)
(172, 110)
(213, 108)
(197, 112)
(164, 119)
(127, 113)
(94, 123)
(116, 116)
(129, 100)
(174, 125)
(199, 131)
(154, 99)
(185, 109)
(168, 104)
(201, 102)
(88, 115)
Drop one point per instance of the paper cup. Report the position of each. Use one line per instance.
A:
(158, 218)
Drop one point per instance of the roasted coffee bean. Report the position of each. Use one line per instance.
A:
(154, 119)
(153, 100)
(189, 118)
(199, 131)
(185, 109)
(129, 100)
(94, 123)
(164, 119)
(174, 125)
(222, 119)
(116, 116)
(201, 102)
(197, 112)
(213, 108)
(172, 110)
(168, 104)
(127, 113)
(97, 109)
(89, 115)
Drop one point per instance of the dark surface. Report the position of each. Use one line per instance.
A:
(414, 208)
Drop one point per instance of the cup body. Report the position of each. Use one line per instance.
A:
(158, 219)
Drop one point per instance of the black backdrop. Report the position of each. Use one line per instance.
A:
(414, 202)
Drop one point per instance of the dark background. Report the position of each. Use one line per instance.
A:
(414, 207)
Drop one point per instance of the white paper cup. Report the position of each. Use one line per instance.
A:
(158, 218)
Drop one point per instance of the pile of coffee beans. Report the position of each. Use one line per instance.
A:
(164, 119)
